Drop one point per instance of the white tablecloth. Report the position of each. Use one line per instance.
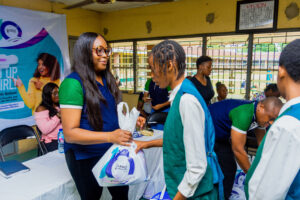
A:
(154, 161)
(49, 178)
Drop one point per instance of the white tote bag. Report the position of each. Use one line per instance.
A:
(120, 165)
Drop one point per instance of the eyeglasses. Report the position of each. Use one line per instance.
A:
(100, 51)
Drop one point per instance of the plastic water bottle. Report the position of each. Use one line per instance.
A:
(60, 141)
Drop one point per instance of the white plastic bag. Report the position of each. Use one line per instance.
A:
(127, 121)
(120, 165)
(147, 107)
(238, 192)
(156, 181)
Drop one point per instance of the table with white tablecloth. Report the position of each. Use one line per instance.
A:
(154, 162)
(49, 178)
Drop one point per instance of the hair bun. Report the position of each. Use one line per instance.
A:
(218, 84)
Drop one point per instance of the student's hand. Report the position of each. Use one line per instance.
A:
(140, 122)
(179, 196)
(120, 137)
(38, 84)
(18, 82)
(140, 145)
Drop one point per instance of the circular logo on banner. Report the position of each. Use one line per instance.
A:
(10, 31)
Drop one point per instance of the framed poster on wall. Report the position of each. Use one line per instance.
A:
(256, 16)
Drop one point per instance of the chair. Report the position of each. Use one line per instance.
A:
(157, 118)
(39, 136)
(16, 133)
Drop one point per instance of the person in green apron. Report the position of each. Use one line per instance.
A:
(191, 168)
(274, 173)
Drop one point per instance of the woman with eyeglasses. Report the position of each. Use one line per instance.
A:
(88, 100)
(47, 70)
(47, 116)
(201, 80)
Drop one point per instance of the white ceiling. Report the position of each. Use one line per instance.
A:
(106, 7)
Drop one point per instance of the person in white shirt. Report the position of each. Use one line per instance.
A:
(191, 168)
(274, 173)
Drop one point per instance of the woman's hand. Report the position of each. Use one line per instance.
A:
(140, 145)
(38, 84)
(18, 82)
(120, 137)
(140, 122)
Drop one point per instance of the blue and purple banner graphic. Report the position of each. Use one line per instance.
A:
(24, 36)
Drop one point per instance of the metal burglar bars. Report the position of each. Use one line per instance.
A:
(193, 50)
(229, 54)
(143, 70)
(191, 46)
(121, 62)
(266, 52)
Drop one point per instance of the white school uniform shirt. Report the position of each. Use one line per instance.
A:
(193, 120)
(280, 159)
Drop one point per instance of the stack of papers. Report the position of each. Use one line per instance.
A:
(12, 167)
